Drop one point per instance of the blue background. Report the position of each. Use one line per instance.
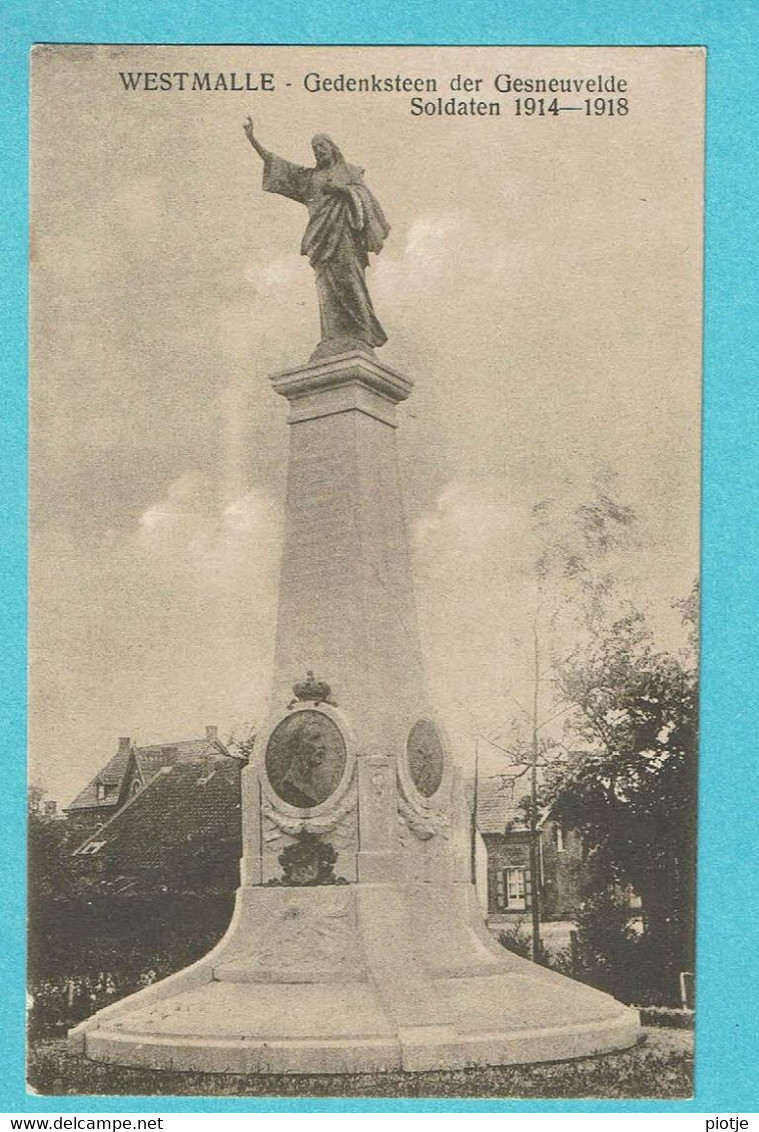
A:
(727, 1073)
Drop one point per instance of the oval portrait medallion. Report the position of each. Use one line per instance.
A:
(305, 759)
(426, 757)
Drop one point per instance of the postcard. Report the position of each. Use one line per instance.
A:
(365, 483)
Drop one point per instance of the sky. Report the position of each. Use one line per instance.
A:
(541, 284)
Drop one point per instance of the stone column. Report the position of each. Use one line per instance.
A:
(346, 607)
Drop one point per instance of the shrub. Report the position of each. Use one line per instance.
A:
(603, 947)
(517, 939)
(608, 954)
(675, 1017)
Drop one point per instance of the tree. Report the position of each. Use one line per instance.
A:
(47, 844)
(572, 558)
(631, 788)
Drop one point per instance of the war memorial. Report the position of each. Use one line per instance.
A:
(356, 943)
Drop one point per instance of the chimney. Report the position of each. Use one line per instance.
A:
(212, 734)
(124, 742)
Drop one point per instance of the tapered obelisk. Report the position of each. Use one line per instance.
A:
(357, 943)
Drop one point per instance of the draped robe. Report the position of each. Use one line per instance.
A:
(345, 223)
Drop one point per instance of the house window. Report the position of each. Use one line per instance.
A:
(135, 787)
(559, 839)
(511, 890)
(515, 889)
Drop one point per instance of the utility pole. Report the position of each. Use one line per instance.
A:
(537, 948)
(474, 809)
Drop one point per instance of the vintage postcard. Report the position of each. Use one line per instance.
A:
(365, 471)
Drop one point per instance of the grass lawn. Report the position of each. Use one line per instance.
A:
(660, 1066)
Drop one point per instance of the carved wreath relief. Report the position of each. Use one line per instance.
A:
(305, 759)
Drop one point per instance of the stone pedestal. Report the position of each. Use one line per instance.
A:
(346, 607)
(385, 962)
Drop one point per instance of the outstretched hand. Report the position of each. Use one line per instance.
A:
(249, 130)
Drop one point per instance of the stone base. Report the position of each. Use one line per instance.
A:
(333, 347)
(356, 978)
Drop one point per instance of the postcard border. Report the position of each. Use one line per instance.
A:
(728, 986)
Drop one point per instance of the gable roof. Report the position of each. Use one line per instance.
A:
(151, 758)
(498, 802)
(112, 774)
(147, 760)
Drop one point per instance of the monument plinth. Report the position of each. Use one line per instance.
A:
(357, 943)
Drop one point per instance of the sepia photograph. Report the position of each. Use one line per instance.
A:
(365, 450)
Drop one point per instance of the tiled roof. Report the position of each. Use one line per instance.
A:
(165, 754)
(180, 832)
(112, 774)
(149, 759)
(498, 802)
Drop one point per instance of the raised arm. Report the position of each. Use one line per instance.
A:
(251, 136)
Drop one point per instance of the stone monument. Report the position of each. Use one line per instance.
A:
(357, 943)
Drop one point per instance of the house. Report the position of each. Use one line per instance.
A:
(504, 875)
(142, 877)
(162, 818)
